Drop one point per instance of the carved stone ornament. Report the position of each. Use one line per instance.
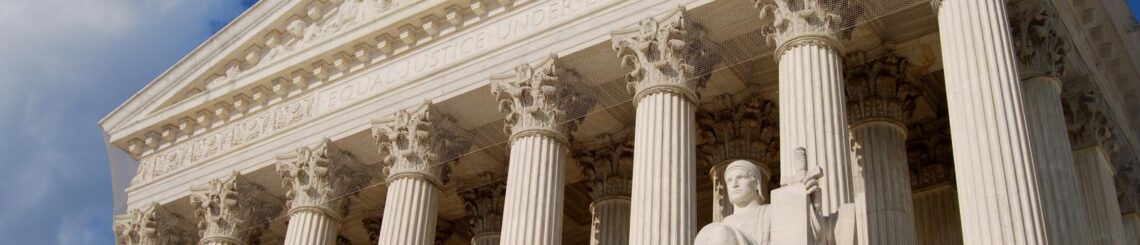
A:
(1088, 117)
(1040, 50)
(543, 99)
(484, 207)
(748, 129)
(151, 225)
(419, 143)
(801, 22)
(609, 169)
(667, 55)
(320, 179)
(881, 90)
(930, 155)
(232, 210)
(372, 225)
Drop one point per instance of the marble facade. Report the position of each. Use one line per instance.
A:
(635, 121)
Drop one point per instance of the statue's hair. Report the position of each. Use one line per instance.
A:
(752, 169)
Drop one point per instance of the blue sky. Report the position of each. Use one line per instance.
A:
(65, 64)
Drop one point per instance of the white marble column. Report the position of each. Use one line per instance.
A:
(995, 168)
(318, 181)
(670, 67)
(609, 170)
(812, 105)
(1099, 192)
(1092, 136)
(416, 148)
(1040, 53)
(232, 210)
(151, 225)
(484, 207)
(880, 99)
(937, 220)
(543, 107)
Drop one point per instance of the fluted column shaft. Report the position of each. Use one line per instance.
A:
(610, 221)
(886, 182)
(1058, 185)
(535, 189)
(1099, 193)
(813, 115)
(410, 212)
(995, 167)
(487, 238)
(310, 227)
(937, 218)
(664, 174)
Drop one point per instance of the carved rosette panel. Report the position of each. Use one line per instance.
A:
(542, 99)
(748, 129)
(484, 207)
(881, 90)
(1089, 125)
(609, 169)
(320, 178)
(232, 209)
(930, 155)
(151, 225)
(419, 143)
(800, 22)
(666, 55)
(1040, 50)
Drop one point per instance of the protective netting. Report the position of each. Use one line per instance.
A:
(733, 31)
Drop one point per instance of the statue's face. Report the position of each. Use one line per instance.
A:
(742, 187)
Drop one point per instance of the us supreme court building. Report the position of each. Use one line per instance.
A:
(454, 122)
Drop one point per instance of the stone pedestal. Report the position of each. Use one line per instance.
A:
(1098, 190)
(318, 181)
(995, 169)
(543, 109)
(665, 81)
(416, 147)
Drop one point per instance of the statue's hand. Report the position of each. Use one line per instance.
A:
(811, 184)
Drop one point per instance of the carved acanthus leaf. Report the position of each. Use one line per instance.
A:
(881, 89)
(795, 22)
(484, 207)
(542, 99)
(930, 154)
(609, 169)
(418, 143)
(748, 129)
(667, 55)
(372, 225)
(1040, 50)
(232, 209)
(151, 224)
(1089, 122)
(320, 178)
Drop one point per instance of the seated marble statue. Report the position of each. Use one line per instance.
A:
(794, 207)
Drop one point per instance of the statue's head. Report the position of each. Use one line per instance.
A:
(744, 183)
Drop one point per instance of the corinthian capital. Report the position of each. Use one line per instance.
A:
(541, 99)
(881, 90)
(609, 168)
(1040, 50)
(484, 206)
(666, 56)
(419, 143)
(150, 225)
(232, 209)
(1088, 118)
(748, 129)
(319, 178)
(799, 22)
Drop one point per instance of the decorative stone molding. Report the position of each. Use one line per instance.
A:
(881, 90)
(930, 156)
(232, 210)
(418, 144)
(609, 168)
(1088, 117)
(667, 55)
(320, 179)
(748, 129)
(484, 207)
(541, 99)
(807, 22)
(151, 225)
(372, 226)
(1040, 50)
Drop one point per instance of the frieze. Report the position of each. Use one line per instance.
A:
(313, 101)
